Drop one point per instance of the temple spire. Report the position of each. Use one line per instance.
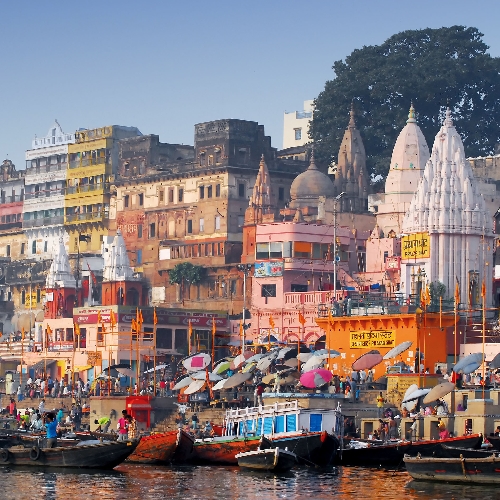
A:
(411, 115)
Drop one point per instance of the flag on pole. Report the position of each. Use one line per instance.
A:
(77, 329)
(112, 318)
(483, 289)
(134, 325)
(155, 317)
(213, 326)
(302, 320)
(457, 293)
(190, 328)
(103, 328)
(22, 333)
(49, 330)
(99, 317)
(241, 328)
(141, 319)
(271, 321)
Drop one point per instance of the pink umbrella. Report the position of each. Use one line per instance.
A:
(240, 360)
(367, 361)
(197, 362)
(316, 378)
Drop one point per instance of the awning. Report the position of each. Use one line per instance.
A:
(42, 364)
(83, 368)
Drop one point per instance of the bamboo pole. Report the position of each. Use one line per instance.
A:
(154, 351)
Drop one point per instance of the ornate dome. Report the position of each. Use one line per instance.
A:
(310, 185)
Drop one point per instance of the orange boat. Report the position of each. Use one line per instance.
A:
(164, 447)
(223, 450)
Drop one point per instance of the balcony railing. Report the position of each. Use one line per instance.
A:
(53, 167)
(87, 162)
(44, 194)
(44, 221)
(86, 188)
(94, 216)
(310, 298)
(4, 226)
(11, 199)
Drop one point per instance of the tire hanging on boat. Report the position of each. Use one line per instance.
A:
(4, 455)
(35, 453)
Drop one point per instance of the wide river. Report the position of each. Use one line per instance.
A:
(220, 483)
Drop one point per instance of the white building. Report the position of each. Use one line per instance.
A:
(45, 185)
(296, 126)
(447, 230)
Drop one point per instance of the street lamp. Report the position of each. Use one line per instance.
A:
(337, 198)
(245, 268)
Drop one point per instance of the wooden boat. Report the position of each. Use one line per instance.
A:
(95, 456)
(222, 450)
(465, 470)
(163, 447)
(311, 448)
(393, 452)
(275, 460)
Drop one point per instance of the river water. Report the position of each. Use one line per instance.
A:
(221, 483)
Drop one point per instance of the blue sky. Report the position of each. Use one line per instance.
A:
(163, 66)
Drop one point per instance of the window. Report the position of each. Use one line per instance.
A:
(141, 199)
(23, 297)
(298, 134)
(170, 195)
(33, 247)
(152, 230)
(139, 231)
(275, 252)
(126, 201)
(217, 222)
(190, 226)
(209, 192)
(161, 195)
(7, 251)
(180, 195)
(262, 251)
(217, 190)
(241, 190)
(386, 254)
(139, 257)
(202, 158)
(202, 225)
(38, 295)
(268, 291)
(241, 220)
(298, 288)
(202, 192)
(302, 249)
(22, 248)
(281, 194)
(45, 246)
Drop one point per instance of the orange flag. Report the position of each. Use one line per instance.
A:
(155, 317)
(22, 333)
(213, 326)
(457, 293)
(103, 328)
(134, 325)
(271, 321)
(77, 329)
(241, 328)
(190, 328)
(49, 330)
(112, 318)
(302, 320)
(141, 319)
(99, 317)
(483, 289)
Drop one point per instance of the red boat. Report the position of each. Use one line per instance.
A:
(164, 447)
(223, 450)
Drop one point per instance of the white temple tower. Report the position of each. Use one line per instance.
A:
(448, 230)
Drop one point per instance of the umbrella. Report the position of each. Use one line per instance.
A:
(255, 358)
(292, 362)
(304, 356)
(184, 382)
(156, 368)
(269, 379)
(222, 367)
(236, 380)
(416, 394)
(291, 352)
(219, 385)
(472, 367)
(283, 351)
(397, 350)
(241, 359)
(194, 386)
(312, 363)
(264, 364)
(323, 354)
(438, 391)
(316, 378)
(367, 361)
(197, 362)
(213, 377)
(127, 372)
(476, 358)
(291, 378)
(119, 365)
(411, 405)
(495, 362)
(249, 367)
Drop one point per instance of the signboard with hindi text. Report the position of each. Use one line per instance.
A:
(415, 246)
(372, 339)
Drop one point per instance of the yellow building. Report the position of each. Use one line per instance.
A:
(93, 161)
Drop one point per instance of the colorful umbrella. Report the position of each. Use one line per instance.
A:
(241, 359)
(184, 382)
(312, 363)
(222, 367)
(197, 362)
(397, 350)
(316, 378)
(468, 361)
(264, 364)
(367, 361)
(249, 367)
(202, 375)
(195, 386)
(438, 391)
(236, 380)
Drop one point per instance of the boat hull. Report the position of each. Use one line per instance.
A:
(393, 453)
(222, 450)
(275, 460)
(311, 448)
(95, 456)
(463, 470)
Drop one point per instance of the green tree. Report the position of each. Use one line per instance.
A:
(186, 273)
(431, 67)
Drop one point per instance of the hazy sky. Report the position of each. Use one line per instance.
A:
(163, 65)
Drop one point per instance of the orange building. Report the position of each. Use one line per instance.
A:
(356, 335)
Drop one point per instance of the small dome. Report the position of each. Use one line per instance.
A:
(311, 184)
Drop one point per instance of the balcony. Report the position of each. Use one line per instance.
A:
(87, 162)
(86, 188)
(4, 226)
(43, 194)
(293, 299)
(44, 221)
(11, 199)
(54, 167)
(90, 216)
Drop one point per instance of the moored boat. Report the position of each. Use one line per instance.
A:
(272, 459)
(222, 450)
(465, 470)
(93, 456)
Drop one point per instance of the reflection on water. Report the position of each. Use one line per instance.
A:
(221, 483)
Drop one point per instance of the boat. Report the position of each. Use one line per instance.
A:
(378, 453)
(464, 470)
(222, 449)
(163, 447)
(312, 448)
(272, 459)
(106, 455)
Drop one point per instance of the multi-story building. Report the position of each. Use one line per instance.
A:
(296, 126)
